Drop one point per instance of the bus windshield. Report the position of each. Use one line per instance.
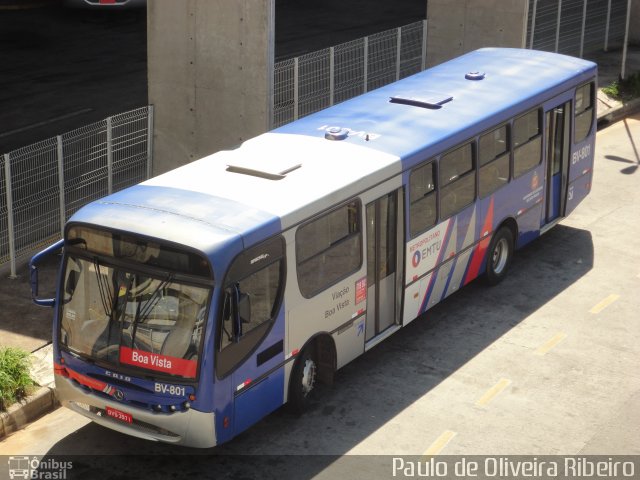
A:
(127, 316)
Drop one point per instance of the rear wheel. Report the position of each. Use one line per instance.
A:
(303, 380)
(499, 255)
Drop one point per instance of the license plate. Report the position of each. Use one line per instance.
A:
(118, 415)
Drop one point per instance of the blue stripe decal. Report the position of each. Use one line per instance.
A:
(449, 277)
(445, 243)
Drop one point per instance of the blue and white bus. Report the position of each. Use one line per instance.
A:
(197, 302)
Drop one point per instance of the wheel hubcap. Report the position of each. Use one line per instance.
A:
(308, 377)
(500, 255)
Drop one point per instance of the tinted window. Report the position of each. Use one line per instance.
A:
(494, 160)
(583, 111)
(527, 142)
(422, 198)
(455, 164)
(133, 248)
(329, 248)
(261, 288)
(457, 180)
(252, 294)
(493, 145)
(526, 127)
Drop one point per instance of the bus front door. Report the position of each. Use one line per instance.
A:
(557, 132)
(383, 269)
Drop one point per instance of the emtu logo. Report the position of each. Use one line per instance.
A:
(415, 261)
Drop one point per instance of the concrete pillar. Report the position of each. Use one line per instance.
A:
(210, 65)
(460, 26)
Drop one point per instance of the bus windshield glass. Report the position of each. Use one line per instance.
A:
(129, 316)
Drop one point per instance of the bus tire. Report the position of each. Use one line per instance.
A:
(499, 256)
(303, 380)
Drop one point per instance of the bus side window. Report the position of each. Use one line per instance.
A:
(422, 198)
(329, 248)
(227, 333)
(527, 142)
(251, 301)
(457, 180)
(583, 112)
(493, 157)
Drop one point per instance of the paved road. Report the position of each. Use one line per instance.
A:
(544, 363)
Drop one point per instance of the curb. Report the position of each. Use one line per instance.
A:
(614, 114)
(20, 414)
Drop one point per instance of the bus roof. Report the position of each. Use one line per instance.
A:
(449, 101)
(278, 179)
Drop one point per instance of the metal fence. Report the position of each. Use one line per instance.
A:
(43, 184)
(577, 27)
(307, 84)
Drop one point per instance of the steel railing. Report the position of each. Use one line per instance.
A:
(43, 184)
(311, 82)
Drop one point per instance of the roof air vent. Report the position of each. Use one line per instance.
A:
(336, 133)
(474, 76)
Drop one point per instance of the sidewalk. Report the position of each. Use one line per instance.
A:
(609, 67)
(24, 325)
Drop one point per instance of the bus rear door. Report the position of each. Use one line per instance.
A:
(557, 121)
(384, 271)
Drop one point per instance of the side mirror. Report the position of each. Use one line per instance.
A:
(72, 283)
(33, 273)
(244, 308)
(241, 311)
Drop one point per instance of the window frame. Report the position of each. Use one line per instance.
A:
(230, 356)
(515, 148)
(308, 294)
(578, 114)
(470, 173)
(507, 152)
(432, 193)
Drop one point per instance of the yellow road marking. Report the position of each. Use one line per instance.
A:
(556, 339)
(604, 303)
(493, 391)
(442, 441)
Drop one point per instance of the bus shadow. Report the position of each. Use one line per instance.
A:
(627, 170)
(370, 391)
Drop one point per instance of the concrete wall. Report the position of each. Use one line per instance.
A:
(209, 67)
(459, 26)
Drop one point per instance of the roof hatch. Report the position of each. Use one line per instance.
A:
(272, 169)
(474, 75)
(432, 101)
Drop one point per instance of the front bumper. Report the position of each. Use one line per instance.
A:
(190, 428)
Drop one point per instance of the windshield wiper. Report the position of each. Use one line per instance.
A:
(106, 295)
(143, 312)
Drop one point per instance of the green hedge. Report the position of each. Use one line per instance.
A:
(624, 89)
(15, 381)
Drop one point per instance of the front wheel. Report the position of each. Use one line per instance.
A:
(499, 256)
(303, 380)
